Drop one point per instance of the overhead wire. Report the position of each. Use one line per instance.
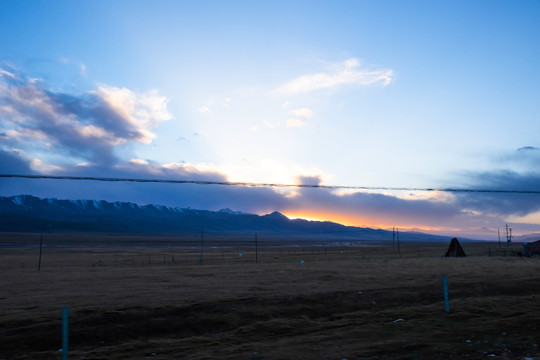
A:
(280, 185)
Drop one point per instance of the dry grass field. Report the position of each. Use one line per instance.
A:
(129, 301)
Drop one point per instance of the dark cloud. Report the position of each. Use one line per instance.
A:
(528, 148)
(463, 211)
(12, 163)
(502, 204)
(309, 180)
(212, 197)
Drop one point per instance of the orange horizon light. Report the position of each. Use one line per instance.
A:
(349, 220)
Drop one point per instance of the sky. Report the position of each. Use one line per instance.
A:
(408, 94)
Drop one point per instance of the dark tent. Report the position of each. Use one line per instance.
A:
(455, 249)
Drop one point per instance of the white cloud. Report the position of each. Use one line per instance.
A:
(6, 73)
(269, 124)
(348, 72)
(204, 109)
(304, 113)
(142, 111)
(301, 116)
(213, 103)
(38, 165)
(296, 123)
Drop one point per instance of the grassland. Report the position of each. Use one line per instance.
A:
(363, 301)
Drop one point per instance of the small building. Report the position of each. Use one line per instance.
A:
(531, 248)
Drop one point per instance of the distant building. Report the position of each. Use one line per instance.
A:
(531, 248)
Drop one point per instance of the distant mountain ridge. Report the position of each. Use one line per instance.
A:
(26, 213)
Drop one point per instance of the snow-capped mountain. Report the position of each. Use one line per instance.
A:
(25, 213)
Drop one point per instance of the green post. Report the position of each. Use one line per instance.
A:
(40, 251)
(202, 248)
(445, 292)
(65, 333)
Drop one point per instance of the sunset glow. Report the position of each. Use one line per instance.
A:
(360, 222)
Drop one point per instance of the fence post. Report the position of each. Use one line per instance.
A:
(202, 248)
(65, 333)
(445, 293)
(256, 249)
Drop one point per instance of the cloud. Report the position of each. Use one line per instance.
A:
(213, 103)
(296, 123)
(452, 215)
(348, 72)
(528, 148)
(269, 124)
(304, 113)
(502, 203)
(212, 197)
(204, 109)
(309, 180)
(87, 126)
(11, 162)
(301, 115)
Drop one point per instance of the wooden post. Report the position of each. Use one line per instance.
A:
(445, 293)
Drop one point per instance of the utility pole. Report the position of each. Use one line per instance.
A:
(508, 236)
(499, 234)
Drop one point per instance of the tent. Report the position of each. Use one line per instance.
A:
(455, 249)
(531, 248)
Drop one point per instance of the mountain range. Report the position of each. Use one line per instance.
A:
(25, 213)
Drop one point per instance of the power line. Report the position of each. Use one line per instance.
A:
(254, 184)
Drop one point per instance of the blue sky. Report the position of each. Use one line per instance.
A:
(360, 93)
